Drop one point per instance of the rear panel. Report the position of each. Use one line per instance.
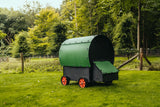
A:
(101, 49)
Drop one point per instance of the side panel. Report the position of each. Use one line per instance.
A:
(75, 73)
(97, 74)
(74, 55)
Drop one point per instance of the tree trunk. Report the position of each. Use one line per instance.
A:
(75, 7)
(138, 26)
(22, 61)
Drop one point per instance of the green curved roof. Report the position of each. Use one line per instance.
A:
(86, 39)
(75, 52)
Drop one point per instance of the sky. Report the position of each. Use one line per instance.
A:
(17, 4)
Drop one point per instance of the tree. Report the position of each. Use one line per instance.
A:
(2, 35)
(67, 15)
(82, 17)
(124, 32)
(30, 9)
(41, 34)
(150, 23)
(4, 50)
(20, 45)
(11, 23)
(148, 19)
(60, 30)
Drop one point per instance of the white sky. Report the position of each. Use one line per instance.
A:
(17, 4)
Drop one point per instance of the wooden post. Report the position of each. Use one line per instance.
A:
(126, 62)
(141, 59)
(147, 60)
(22, 61)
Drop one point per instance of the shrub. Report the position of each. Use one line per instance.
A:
(33, 65)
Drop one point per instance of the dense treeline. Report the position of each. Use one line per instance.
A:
(44, 29)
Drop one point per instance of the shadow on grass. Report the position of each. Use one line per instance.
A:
(95, 84)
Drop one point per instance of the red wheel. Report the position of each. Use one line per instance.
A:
(64, 80)
(82, 82)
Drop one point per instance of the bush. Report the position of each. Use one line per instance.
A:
(33, 65)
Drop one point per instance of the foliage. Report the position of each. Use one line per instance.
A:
(42, 32)
(2, 35)
(53, 64)
(21, 45)
(151, 11)
(60, 30)
(11, 23)
(134, 88)
(30, 9)
(116, 19)
(31, 65)
(124, 32)
(4, 50)
(82, 17)
(66, 15)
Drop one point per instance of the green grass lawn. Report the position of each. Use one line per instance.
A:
(134, 88)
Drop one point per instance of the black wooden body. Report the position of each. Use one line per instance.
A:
(90, 73)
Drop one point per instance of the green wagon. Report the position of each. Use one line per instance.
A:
(87, 59)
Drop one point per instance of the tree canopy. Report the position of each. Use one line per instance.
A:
(21, 45)
(117, 19)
